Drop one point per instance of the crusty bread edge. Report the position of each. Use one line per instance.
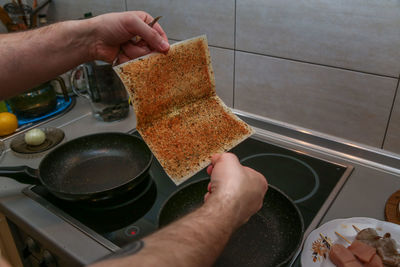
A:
(152, 54)
(118, 68)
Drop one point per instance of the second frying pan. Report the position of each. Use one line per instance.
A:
(93, 167)
(270, 238)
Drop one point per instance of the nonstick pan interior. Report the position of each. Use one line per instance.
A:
(270, 238)
(95, 163)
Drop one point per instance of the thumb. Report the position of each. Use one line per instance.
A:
(215, 158)
(153, 36)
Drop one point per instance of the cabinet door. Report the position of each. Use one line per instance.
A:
(8, 249)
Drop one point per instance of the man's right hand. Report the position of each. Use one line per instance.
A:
(237, 187)
(114, 30)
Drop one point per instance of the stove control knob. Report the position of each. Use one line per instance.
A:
(48, 260)
(132, 231)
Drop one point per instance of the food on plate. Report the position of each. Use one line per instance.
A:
(343, 257)
(353, 264)
(386, 247)
(368, 236)
(365, 254)
(376, 261)
(341, 231)
(362, 251)
(35, 137)
(357, 254)
(8, 123)
(179, 114)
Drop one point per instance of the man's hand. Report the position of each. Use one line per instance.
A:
(115, 30)
(4, 262)
(237, 186)
(59, 47)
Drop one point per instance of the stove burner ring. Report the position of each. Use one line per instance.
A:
(315, 175)
(135, 195)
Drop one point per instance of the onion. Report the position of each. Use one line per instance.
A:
(35, 137)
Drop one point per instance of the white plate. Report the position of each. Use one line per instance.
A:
(315, 253)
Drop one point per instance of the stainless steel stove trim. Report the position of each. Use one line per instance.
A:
(265, 136)
(367, 155)
(78, 225)
(328, 202)
(332, 195)
(323, 210)
(387, 164)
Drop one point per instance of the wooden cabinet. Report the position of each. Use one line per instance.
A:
(8, 250)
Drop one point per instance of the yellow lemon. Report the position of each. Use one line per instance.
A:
(8, 123)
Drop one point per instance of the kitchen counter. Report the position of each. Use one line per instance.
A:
(77, 122)
(375, 177)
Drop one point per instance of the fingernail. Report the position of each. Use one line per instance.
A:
(164, 45)
(146, 49)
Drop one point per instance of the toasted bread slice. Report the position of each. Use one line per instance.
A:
(179, 115)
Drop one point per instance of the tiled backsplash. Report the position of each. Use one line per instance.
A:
(348, 104)
(361, 35)
(329, 66)
(183, 19)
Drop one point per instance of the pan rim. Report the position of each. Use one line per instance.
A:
(77, 195)
(299, 215)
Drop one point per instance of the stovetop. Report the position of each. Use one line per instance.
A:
(310, 182)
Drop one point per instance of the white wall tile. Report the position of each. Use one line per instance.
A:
(347, 104)
(183, 19)
(360, 35)
(222, 62)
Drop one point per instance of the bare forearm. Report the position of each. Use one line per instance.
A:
(32, 57)
(195, 240)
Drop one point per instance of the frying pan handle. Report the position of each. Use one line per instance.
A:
(22, 174)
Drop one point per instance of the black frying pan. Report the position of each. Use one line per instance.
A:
(270, 238)
(93, 167)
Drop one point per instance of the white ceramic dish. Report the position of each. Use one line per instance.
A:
(315, 252)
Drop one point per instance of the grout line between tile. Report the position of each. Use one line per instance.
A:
(318, 64)
(234, 57)
(390, 113)
(294, 60)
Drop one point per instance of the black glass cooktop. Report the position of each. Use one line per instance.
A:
(310, 182)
